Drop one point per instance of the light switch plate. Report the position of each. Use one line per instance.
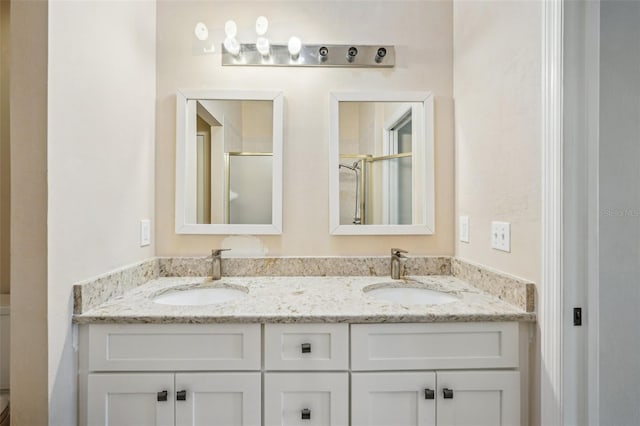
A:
(145, 232)
(463, 230)
(501, 236)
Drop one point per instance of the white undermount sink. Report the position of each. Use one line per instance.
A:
(200, 296)
(392, 292)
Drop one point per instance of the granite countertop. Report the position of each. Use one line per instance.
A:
(291, 299)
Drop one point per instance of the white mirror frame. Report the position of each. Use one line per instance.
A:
(425, 223)
(182, 227)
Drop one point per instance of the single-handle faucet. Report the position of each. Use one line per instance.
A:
(397, 263)
(216, 263)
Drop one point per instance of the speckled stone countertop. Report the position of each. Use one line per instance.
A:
(303, 299)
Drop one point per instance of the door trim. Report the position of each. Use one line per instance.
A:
(551, 316)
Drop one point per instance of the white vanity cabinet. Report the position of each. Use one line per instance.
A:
(400, 374)
(454, 391)
(298, 388)
(165, 399)
(393, 399)
(170, 375)
(480, 398)
(140, 399)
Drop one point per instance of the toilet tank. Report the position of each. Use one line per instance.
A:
(4, 341)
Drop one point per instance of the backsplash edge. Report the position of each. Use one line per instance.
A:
(98, 290)
(517, 291)
(302, 266)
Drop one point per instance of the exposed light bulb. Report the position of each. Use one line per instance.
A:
(262, 46)
(230, 29)
(295, 46)
(232, 46)
(201, 31)
(262, 25)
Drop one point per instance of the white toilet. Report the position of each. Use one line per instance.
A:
(4, 360)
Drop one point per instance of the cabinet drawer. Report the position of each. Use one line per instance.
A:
(434, 346)
(306, 346)
(176, 347)
(306, 399)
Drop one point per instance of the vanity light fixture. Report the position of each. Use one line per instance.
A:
(262, 46)
(311, 55)
(295, 46)
(262, 43)
(294, 53)
(231, 45)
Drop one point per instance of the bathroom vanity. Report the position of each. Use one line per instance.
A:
(304, 351)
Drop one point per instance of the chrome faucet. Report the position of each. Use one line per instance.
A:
(398, 260)
(216, 263)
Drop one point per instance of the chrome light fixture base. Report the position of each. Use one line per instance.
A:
(314, 55)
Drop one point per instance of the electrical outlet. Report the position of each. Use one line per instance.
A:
(463, 230)
(501, 236)
(145, 232)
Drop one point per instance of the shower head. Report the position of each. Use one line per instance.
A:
(355, 166)
(346, 166)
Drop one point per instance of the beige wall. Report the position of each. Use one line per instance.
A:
(422, 32)
(497, 92)
(5, 171)
(101, 159)
(28, 126)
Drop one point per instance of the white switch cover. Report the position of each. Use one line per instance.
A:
(464, 229)
(501, 236)
(145, 232)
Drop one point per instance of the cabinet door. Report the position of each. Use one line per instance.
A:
(306, 399)
(218, 399)
(479, 398)
(398, 399)
(130, 399)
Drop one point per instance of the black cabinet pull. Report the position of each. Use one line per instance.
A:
(429, 394)
(306, 348)
(162, 396)
(447, 393)
(305, 414)
(181, 395)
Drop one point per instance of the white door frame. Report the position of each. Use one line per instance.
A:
(551, 316)
(569, 377)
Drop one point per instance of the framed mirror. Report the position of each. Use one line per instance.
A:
(229, 162)
(381, 163)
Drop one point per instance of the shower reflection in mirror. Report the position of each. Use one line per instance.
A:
(381, 157)
(229, 168)
(376, 143)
